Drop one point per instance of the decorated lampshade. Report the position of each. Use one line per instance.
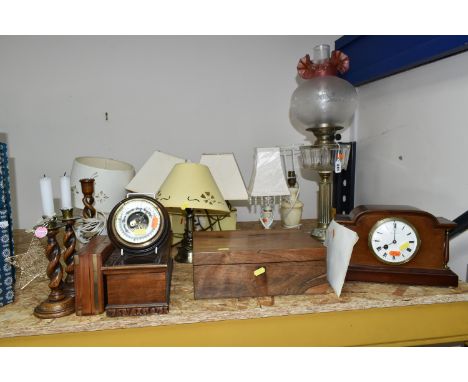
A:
(226, 173)
(323, 98)
(153, 173)
(191, 185)
(268, 175)
(110, 178)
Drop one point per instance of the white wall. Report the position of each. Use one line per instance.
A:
(412, 143)
(182, 95)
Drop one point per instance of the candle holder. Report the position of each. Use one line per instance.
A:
(87, 187)
(69, 242)
(57, 303)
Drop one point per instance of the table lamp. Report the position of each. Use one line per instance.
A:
(227, 176)
(190, 186)
(268, 183)
(326, 104)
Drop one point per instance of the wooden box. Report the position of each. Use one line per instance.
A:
(89, 283)
(256, 263)
(103, 282)
(138, 289)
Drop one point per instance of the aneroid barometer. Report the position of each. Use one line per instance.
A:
(139, 225)
(399, 244)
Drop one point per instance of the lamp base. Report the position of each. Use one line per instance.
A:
(319, 233)
(184, 255)
(185, 251)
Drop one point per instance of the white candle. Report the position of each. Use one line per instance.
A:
(65, 192)
(47, 196)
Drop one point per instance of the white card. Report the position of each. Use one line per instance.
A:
(339, 242)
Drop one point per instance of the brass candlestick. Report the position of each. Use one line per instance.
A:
(57, 304)
(69, 242)
(87, 187)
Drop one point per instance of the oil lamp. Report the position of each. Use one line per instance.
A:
(325, 104)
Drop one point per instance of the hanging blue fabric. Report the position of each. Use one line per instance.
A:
(7, 272)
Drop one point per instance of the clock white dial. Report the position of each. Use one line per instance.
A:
(394, 241)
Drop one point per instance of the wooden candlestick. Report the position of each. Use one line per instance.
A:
(57, 304)
(69, 242)
(87, 187)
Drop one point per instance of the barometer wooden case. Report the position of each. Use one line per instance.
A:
(399, 244)
(127, 273)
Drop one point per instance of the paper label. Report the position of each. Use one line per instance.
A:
(40, 232)
(259, 271)
(338, 166)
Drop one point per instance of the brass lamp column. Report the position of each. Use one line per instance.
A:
(325, 135)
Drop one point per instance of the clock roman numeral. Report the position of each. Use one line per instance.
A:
(379, 248)
(409, 233)
(411, 241)
(385, 254)
(408, 249)
(377, 241)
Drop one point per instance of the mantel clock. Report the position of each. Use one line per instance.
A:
(399, 244)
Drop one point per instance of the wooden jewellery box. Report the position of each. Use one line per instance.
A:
(256, 263)
(103, 282)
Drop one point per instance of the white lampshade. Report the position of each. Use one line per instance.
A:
(268, 175)
(111, 177)
(191, 185)
(226, 173)
(153, 173)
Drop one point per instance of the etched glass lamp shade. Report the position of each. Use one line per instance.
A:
(322, 98)
(327, 100)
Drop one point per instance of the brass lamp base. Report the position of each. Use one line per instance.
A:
(319, 233)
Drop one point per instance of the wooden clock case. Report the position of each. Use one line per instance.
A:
(429, 265)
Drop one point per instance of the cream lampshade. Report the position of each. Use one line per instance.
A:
(190, 186)
(110, 178)
(267, 182)
(153, 173)
(226, 173)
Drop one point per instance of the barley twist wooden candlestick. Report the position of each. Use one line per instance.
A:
(87, 187)
(69, 242)
(57, 304)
